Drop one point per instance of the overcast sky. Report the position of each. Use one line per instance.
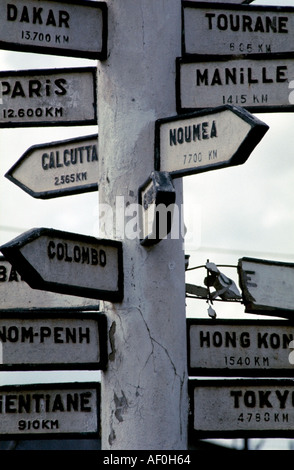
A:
(235, 212)
(246, 210)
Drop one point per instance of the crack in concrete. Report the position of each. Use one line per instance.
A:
(181, 379)
(122, 404)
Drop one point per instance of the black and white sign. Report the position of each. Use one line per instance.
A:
(48, 97)
(17, 296)
(237, 29)
(52, 342)
(267, 286)
(198, 142)
(64, 410)
(58, 168)
(240, 348)
(156, 202)
(68, 263)
(241, 408)
(259, 83)
(72, 28)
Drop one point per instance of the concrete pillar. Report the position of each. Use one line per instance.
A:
(144, 390)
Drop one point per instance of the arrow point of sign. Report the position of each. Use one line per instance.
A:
(11, 252)
(205, 140)
(46, 162)
(256, 133)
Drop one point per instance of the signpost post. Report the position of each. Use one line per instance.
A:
(199, 142)
(237, 29)
(241, 408)
(51, 341)
(147, 329)
(62, 411)
(58, 168)
(49, 97)
(239, 348)
(68, 263)
(267, 286)
(75, 28)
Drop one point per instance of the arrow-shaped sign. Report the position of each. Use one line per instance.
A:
(58, 168)
(206, 140)
(68, 263)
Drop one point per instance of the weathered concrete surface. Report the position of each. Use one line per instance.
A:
(144, 391)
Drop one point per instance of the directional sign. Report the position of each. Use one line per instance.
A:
(156, 202)
(49, 97)
(64, 410)
(241, 408)
(17, 296)
(199, 142)
(237, 29)
(68, 263)
(72, 28)
(53, 342)
(267, 286)
(58, 168)
(240, 348)
(260, 83)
